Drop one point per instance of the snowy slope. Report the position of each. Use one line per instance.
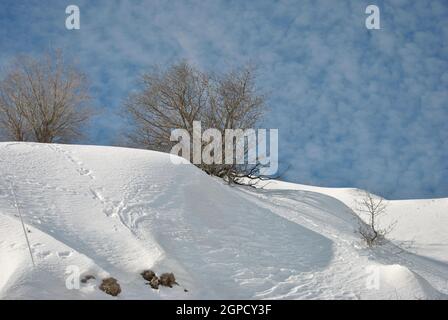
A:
(115, 211)
(421, 224)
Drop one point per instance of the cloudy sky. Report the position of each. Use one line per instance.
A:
(354, 107)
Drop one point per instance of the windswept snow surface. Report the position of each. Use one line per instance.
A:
(114, 212)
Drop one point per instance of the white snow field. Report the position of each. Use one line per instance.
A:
(115, 212)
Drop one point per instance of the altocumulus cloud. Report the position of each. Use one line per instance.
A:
(355, 107)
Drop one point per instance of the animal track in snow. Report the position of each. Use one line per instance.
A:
(81, 169)
(44, 254)
(84, 172)
(64, 254)
(97, 195)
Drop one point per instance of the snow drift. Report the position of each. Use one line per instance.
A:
(114, 212)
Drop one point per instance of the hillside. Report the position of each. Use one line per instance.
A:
(116, 211)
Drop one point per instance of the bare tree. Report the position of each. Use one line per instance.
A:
(372, 207)
(44, 100)
(12, 119)
(176, 97)
(168, 99)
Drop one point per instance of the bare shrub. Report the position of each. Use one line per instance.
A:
(168, 280)
(372, 207)
(110, 286)
(148, 275)
(154, 283)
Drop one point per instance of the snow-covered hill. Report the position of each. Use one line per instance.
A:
(116, 211)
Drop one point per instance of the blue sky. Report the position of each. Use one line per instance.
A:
(354, 107)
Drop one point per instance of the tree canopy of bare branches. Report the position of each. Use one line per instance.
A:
(177, 96)
(43, 100)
